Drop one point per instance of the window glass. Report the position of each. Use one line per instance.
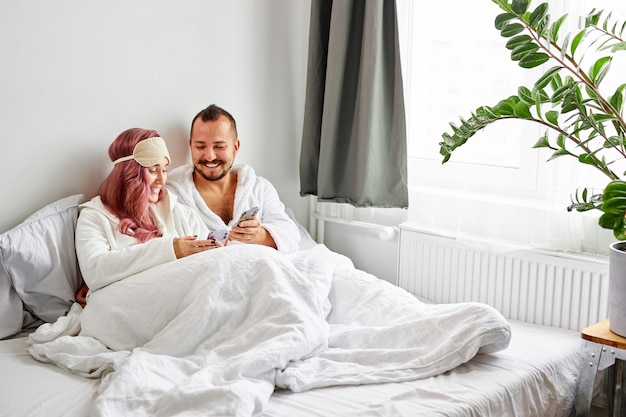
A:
(497, 185)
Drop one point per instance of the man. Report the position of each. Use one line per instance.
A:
(222, 192)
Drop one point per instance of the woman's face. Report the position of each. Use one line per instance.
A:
(157, 175)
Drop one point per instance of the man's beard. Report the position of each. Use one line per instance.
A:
(203, 163)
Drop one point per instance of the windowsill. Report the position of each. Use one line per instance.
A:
(500, 245)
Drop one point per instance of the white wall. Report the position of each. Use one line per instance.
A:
(76, 73)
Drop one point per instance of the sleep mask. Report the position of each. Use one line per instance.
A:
(148, 152)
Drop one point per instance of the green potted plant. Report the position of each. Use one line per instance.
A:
(580, 119)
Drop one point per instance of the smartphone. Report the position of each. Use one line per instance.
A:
(220, 235)
(248, 214)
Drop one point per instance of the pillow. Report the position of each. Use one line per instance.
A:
(39, 273)
(10, 308)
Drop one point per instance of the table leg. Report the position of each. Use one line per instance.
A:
(588, 369)
(619, 403)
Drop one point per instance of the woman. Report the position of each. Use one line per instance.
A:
(133, 223)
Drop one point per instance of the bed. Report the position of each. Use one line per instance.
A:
(531, 372)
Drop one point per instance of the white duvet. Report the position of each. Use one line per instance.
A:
(213, 334)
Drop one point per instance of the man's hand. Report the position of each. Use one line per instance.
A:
(188, 245)
(251, 231)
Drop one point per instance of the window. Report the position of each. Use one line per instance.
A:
(496, 186)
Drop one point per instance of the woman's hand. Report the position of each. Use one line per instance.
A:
(81, 295)
(188, 245)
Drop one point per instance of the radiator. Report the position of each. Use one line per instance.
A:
(563, 290)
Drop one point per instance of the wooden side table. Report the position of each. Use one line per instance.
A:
(601, 349)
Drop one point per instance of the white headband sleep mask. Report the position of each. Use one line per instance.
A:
(148, 152)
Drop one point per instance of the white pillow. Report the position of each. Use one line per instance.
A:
(11, 314)
(39, 273)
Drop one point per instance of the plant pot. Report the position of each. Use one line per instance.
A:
(617, 288)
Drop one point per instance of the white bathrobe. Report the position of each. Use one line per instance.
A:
(251, 191)
(105, 255)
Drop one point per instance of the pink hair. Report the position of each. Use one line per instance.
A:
(125, 191)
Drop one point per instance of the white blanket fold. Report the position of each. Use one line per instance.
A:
(213, 334)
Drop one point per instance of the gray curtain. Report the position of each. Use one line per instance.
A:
(354, 135)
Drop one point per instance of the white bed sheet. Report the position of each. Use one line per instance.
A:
(535, 376)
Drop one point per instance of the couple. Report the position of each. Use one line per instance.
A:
(134, 223)
(214, 334)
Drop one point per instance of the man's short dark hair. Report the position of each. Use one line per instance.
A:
(213, 113)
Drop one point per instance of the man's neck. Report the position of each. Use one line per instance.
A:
(219, 195)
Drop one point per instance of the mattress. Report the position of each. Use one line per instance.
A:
(535, 376)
